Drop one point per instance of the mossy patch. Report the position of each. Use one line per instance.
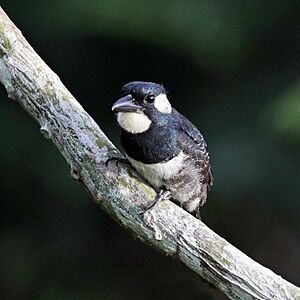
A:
(148, 191)
(4, 39)
(65, 96)
(101, 143)
(124, 183)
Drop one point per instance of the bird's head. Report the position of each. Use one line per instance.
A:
(140, 104)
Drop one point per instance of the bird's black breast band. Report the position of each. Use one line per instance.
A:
(154, 146)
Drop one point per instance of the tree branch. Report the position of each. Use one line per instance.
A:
(118, 189)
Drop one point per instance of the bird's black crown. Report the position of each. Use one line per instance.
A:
(139, 89)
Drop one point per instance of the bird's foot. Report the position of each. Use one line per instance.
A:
(196, 213)
(161, 196)
(118, 160)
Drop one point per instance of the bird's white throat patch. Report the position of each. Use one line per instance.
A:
(133, 122)
(162, 104)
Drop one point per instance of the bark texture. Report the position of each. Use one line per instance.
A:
(118, 189)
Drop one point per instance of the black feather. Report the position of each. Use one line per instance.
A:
(139, 89)
(192, 143)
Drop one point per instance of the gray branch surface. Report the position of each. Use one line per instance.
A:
(118, 189)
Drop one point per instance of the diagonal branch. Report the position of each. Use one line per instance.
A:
(120, 191)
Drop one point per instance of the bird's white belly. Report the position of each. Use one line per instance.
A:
(156, 173)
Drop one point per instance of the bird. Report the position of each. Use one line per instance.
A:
(163, 146)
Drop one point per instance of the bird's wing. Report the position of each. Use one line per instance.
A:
(193, 144)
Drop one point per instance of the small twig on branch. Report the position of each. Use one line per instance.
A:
(120, 192)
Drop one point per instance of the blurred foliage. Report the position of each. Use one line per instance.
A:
(286, 113)
(212, 32)
(230, 66)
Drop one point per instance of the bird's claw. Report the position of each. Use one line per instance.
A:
(118, 160)
(161, 196)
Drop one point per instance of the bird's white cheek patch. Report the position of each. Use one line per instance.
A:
(162, 104)
(133, 122)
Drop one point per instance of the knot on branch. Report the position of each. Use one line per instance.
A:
(75, 173)
(45, 131)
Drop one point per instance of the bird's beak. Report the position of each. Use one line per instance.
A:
(126, 104)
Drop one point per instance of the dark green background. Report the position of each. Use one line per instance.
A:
(232, 67)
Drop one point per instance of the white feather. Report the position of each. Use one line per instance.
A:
(133, 122)
(155, 173)
(190, 205)
(162, 104)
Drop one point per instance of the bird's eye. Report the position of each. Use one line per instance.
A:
(150, 98)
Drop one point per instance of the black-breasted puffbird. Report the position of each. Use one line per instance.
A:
(162, 145)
